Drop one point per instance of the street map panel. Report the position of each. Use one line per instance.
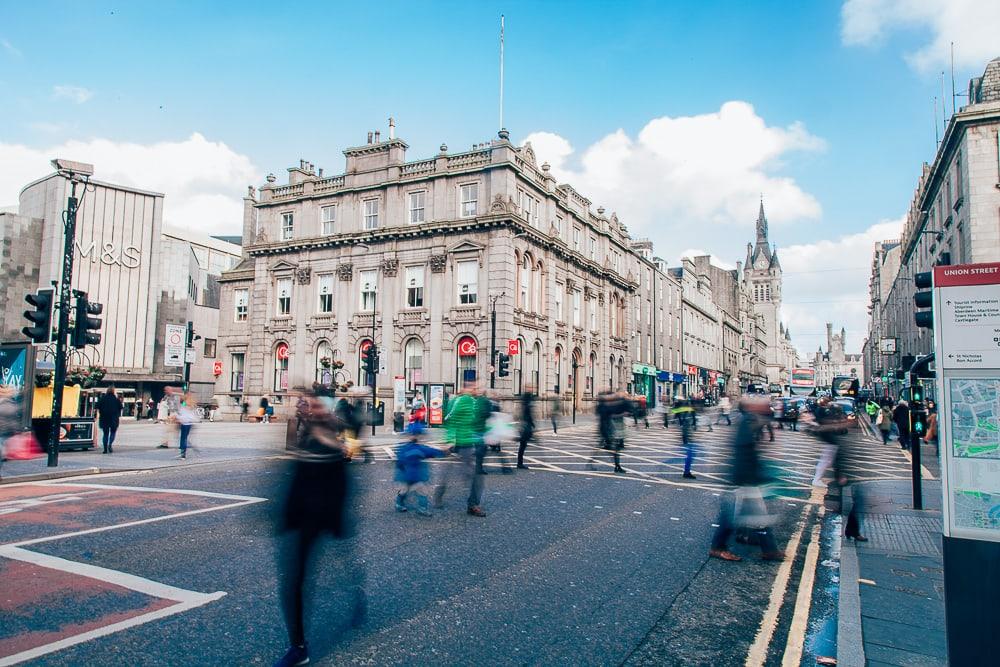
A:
(975, 418)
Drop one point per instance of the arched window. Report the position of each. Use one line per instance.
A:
(413, 362)
(557, 387)
(591, 373)
(363, 379)
(324, 363)
(524, 293)
(611, 374)
(621, 372)
(536, 374)
(613, 310)
(281, 366)
(466, 361)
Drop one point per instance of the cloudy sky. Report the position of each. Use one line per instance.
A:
(678, 116)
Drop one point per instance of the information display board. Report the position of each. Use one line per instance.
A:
(967, 340)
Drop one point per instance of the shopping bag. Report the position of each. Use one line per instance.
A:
(878, 420)
(22, 447)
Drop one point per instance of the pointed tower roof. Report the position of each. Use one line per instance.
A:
(774, 260)
(761, 246)
(749, 263)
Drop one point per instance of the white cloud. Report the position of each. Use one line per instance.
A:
(10, 48)
(690, 181)
(75, 94)
(973, 25)
(827, 281)
(203, 181)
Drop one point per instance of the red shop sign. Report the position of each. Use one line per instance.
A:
(217, 368)
(282, 351)
(467, 346)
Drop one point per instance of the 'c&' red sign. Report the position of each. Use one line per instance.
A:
(467, 346)
(282, 351)
(967, 274)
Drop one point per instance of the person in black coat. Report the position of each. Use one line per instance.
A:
(527, 423)
(109, 412)
(901, 416)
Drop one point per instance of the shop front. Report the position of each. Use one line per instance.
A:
(644, 382)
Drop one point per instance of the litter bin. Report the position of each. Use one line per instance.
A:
(397, 422)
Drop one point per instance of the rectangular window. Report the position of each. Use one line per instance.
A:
(560, 288)
(209, 351)
(328, 219)
(326, 293)
(576, 239)
(577, 307)
(417, 206)
(415, 286)
(371, 213)
(592, 308)
(467, 279)
(593, 249)
(559, 226)
(236, 364)
(241, 300)
(368, 282)
(469, 196)
(287, 226)
(284, 292)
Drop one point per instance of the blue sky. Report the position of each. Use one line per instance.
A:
(836, 102)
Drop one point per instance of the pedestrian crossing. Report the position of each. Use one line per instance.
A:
(656, 455)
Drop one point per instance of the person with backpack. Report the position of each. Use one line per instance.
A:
(884, 423)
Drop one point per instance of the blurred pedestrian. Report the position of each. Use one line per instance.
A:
(109, 412)
(465, 425)
(639, 411)
(830, 420)
(499, 429)
(187, 417)
(884, 423)
(901, 417)
(844, 463)
(265, 410)
(527, 424)
(169, 405)
(244, 410)
(745, 507)
(611, 410)
(412, 471)
(318, 502)
(725, 405)
(872, 409)
(418, 410)
(555, 413)
(687, 419)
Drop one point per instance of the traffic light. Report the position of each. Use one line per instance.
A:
(86, 327)
(924, 281)
(503, 364)
(369, 360)
(40, 317)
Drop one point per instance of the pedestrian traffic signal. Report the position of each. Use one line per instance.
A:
(40, 317)
(916, 393)
(86, 327)
(503, 364)
(369, 360)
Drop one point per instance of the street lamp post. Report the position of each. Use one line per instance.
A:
(493, 339)
(76, 172)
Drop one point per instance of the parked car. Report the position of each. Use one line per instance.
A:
(787, 410)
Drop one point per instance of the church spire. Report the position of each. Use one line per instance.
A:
(761, 225)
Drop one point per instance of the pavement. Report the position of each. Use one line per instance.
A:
(891, 601)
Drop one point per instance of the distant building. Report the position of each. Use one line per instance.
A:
(762, 272)
(836, 361)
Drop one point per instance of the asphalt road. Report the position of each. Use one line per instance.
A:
(566, 569)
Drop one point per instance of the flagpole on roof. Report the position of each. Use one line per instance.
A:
(501, 71)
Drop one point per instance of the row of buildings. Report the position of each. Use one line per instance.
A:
(442, 261)
(953, 218)
(437, 262)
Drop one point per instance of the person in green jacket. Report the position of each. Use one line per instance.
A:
(465, 425)
(872, 408)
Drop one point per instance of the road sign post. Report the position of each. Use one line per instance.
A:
(967, 348)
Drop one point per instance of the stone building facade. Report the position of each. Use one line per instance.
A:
(763, 276)
(836, 361)
(415, 257)
(701, 324)
(954, 216)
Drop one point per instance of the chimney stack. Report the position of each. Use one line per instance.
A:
(369, 137)
(377, 136)
(321, 172)
(392, 128)
(302, 165)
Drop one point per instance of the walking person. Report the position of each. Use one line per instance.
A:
(10, 416)
(317, 502)
(412, 471)
(901, 417)
(244, 411)
(465, 425)
(687, 420)
(109, 412)
(830, 419)
(884, 423)
(187, 417)
(611, 410)
(555, 413)
(745, 506)
(725, 405)
(872, 409)
(527, 424)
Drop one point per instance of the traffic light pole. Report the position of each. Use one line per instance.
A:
(376, 356)
(493, 341)
(187, 346)
(919, 365)
(62, 330)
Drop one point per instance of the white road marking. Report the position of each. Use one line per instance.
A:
(673, 518)
(149, 489)
(562, 502)
(634, 512)
(598, 507)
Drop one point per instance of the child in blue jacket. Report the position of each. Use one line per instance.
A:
(412, 470)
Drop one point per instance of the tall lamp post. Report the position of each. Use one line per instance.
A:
(76, 173)
(493, 340)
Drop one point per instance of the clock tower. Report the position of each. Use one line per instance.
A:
(762, 273)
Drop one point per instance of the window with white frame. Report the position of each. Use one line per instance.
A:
(415, 286)
(467, 281)
(417, 200)
(328, 219)
(538, 276)
(576, 238)
(284, 296)
(237, 362)
(469, 198)
(592, 307)
(287, 225)
(560, 288)
(529, 207)
(593, 248)
(525, 284)
(241, 303)
(368, 282)
(577, 308)
(559, 226)
(371, 213)
(326, 293)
